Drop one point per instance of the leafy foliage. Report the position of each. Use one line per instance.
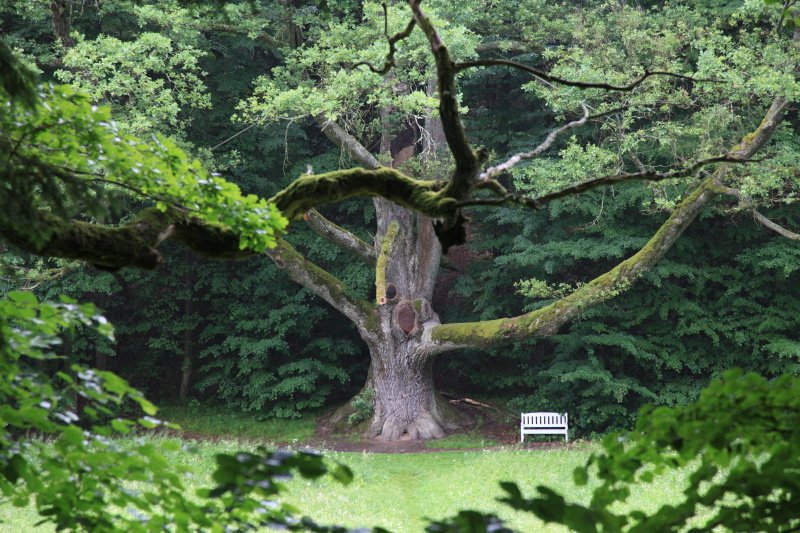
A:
(363, 406)
(57, 153)
(739, 440)
(77, 476)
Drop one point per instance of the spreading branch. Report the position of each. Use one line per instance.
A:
(341, 237)
(321, 282)
(547, 320)
(545, 76)
(505, 197)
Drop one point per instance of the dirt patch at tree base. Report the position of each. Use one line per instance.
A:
(491, 424)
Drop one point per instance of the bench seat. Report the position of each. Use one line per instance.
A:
(544, 424)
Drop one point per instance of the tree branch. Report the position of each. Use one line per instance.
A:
(467, 162)
(542, 75)
(310, 191)
(134, 244)
(747, 203)
(646, 175)
(340, 236)
(547, 320)
(346, 142)
(319, 281)
(392, 40)
(777, 228)
(495, 171)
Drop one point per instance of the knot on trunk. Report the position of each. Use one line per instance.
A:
(409, 315)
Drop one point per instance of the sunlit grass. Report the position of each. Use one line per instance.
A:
(397, 491)
(462, 440)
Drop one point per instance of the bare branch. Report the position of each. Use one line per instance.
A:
(340, 236)
(777, 228)
(347, 142)
(544, 76)
(495, 171)
(748, 203)
(646, 175)
(388, 63)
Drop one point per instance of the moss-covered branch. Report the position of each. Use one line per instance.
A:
(467, 161)
(547, 320)
(339, 236)
(320, 281)
(308, 192)
(134, 244)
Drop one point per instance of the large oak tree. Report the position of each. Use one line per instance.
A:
(418, 215)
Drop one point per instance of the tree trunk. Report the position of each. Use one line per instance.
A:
(406, 404)
(186, 362)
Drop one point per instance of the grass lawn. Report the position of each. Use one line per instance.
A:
(220, 422)
(396, 491)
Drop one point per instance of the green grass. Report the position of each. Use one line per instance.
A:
(473, 439)
(219, 422)
(397, 490)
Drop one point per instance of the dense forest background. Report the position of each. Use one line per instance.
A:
(243, 335)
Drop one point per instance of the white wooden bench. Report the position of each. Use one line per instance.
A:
(544, 424)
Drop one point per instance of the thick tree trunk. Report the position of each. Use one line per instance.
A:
(406, 403)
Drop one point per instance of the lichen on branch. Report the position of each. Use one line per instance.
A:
(383, 262)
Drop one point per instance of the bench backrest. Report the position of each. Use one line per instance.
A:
(545, 420)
